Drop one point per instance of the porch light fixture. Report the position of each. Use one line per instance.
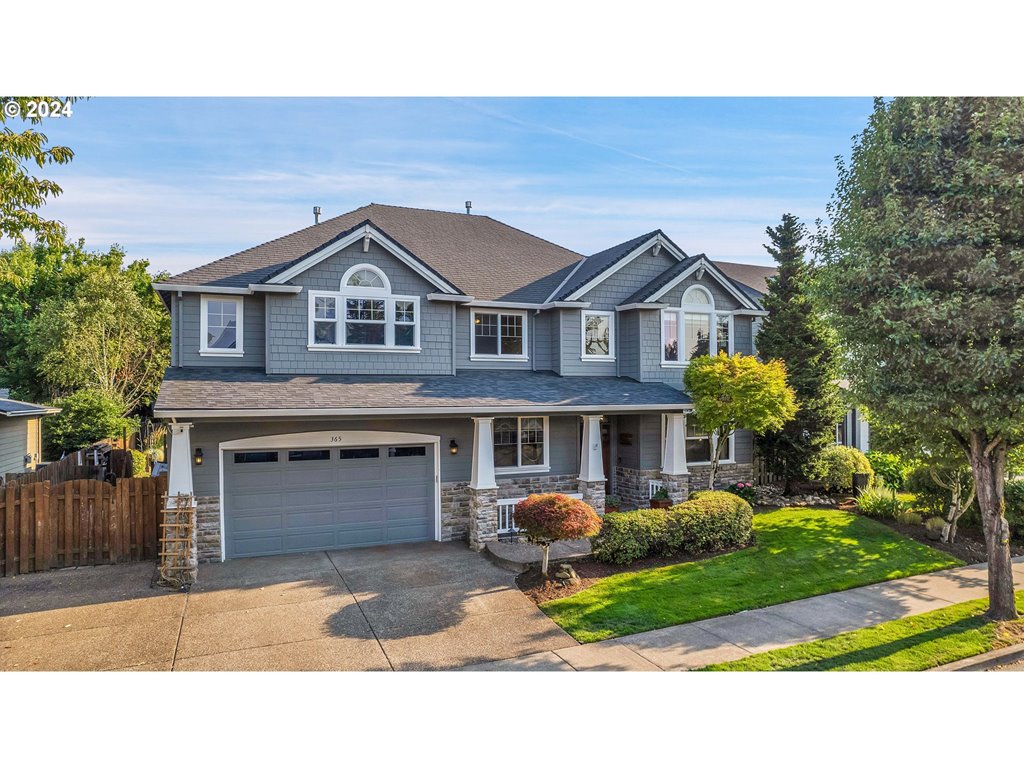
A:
(198, 456)
(453, 447)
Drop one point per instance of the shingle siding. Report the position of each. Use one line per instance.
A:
(463, 348)
(288, 322)
(627, 347)
(614, 289)
(188, 323)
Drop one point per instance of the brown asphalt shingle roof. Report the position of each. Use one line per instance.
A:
(750, 275)
(482, 256)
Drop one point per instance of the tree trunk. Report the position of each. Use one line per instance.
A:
(545, 549)
(988, 464)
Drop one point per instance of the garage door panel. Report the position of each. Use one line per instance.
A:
(360, 472)
(357, 497)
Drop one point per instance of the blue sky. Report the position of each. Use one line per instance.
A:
(184, 181)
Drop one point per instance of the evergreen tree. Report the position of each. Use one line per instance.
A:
(798, 335)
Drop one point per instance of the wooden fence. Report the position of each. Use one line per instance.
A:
(75, 466)
(79, 522)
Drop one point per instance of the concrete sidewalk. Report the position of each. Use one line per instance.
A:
(695, 645)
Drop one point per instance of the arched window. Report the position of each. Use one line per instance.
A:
(364, 314)
(694, 328)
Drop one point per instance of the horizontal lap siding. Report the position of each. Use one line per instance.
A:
(288, 322)
(563, 442)
(189, 323)
(13, 444)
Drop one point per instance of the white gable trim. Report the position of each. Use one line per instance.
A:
(657, 240)
(373, 233)
(717, 274)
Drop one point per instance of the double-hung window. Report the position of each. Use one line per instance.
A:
(597, 331)
(364, 314)
(699, 444)
(520, 443)
(694, 328)
(220, 332)
(498, 334)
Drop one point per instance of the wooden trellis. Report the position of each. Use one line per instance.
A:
(178, 566)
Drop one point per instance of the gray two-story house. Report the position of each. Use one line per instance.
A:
(397, 375)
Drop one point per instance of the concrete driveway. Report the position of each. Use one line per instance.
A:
(421, 606)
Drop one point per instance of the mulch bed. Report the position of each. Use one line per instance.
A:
(969, 545)
(591, 571)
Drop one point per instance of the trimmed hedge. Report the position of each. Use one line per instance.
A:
(715, 520)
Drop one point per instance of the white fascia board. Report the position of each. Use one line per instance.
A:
(528, 305)
(203, 289)
(568, 277)
(568, 305)
(624, 261)
(214, 413)
(39, 412)
(268, 288)
(640, 305)
(455, 298)
(400, 253)
(703, 261)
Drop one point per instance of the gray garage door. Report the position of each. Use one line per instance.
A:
(327, 498)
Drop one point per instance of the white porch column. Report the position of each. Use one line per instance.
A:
(675, 445)
(179, 469)
(591, 460)
(483, 454)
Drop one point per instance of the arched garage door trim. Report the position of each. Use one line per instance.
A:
(331, 439)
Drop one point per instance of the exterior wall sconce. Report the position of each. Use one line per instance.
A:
(453, 447)
(198, 456)
(700, 272)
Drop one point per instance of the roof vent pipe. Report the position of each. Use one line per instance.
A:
(469, 206)
(316, 214)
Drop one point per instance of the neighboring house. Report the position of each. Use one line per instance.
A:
(853, 431)
(21, 436)
(395, 375)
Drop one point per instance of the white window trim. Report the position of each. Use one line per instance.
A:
(239, 350)
(472, 334)
(714, 444)
(348, 292)
(610, 357)
(698, 309)
(520, 469)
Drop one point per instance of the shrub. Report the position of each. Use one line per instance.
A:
(835, 466)
(878, 502)
(629, 536)
(889, 467)
(744, 490)
(713, 521)
(548, 517)
(612, 501)
(906, 517)
(1014, 498)
(140, 464)
(929, 496)
(934, 524)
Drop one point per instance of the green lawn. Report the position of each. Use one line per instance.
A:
(800, 552)
(904, 645)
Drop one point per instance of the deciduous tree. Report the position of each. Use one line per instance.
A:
(737, 392)
(921, 269)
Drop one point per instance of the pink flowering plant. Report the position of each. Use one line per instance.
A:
(744, 490)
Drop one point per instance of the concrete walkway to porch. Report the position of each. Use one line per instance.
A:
(695, 645)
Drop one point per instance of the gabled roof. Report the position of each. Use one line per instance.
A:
(602, 262)
(752, 277)
(668, 278)
(10, 407)
(485, 258)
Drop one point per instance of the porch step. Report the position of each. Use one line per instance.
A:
(518, 556)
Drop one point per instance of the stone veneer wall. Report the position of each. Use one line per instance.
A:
(631, 486)
(727, 475)
(455, 505)
(208, 528)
